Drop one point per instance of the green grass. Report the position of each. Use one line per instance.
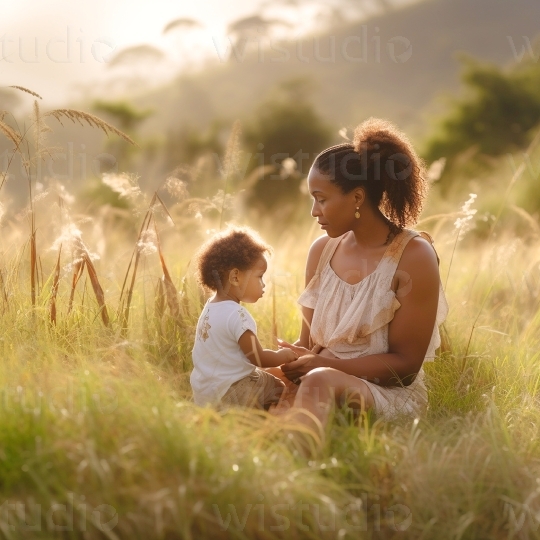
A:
(99, 437)
(93, 420)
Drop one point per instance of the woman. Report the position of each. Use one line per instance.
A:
(373, 298)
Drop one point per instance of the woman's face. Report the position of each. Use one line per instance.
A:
(333, 209)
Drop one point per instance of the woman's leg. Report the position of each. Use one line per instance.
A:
(321, 389)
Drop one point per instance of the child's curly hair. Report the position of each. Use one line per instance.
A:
(236, 247)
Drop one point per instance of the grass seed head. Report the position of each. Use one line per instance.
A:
(147, 242)
(176, 188)
(27, 91)
(465, 223)
(126, 185)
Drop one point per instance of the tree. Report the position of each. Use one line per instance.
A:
(128, 118)
(496, 115)
(285, 126)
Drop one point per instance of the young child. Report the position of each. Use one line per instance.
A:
(227, 356)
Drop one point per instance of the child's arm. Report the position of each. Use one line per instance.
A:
(258, 356)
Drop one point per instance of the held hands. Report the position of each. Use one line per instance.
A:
(307, 360)
(286, 355)
(290, 352)
(299, 351)
(300, 367)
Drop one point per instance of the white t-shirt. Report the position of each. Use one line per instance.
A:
(218, 360)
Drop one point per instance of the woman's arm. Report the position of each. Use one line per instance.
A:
(409, 332)
(314, 255)
(307, 316)
(251, 347)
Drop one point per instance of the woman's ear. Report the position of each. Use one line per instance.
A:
(359, 196)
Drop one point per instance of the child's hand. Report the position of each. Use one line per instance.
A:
(300, 351)
(286, 355)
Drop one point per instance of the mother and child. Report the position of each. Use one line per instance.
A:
(372, 302)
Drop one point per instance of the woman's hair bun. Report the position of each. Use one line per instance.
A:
(386, 165)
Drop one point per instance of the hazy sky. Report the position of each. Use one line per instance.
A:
(62, 49)
(50, 44)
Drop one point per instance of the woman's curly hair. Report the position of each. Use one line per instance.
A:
(382, 160)
(236, 247)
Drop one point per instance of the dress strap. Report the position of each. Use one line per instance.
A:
(327, 253)
(395, 250)
(427, 236)
(398, 245)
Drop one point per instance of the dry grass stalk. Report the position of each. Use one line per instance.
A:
(159, 306)
(78, 268)
(37, 126)
(54, 291)
(170, 290)
(33, 263)
(231, 165)
(18, 140)
(125, 316)
(185, 299)
(84, 291)
(96, 286)
(10, 133)
(232, 152)
(40, 285)
(4, 294)
(23, 89)
(90, 119)
(125, 301)
(164, 207)
(40, 129)
(3, 178)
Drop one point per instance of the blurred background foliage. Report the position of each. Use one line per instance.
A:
(497, 115)
(286, 125)
(467, 96)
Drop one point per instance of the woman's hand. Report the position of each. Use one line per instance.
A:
(297, 368)
(301, 351)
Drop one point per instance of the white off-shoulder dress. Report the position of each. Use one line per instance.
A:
(352, 321)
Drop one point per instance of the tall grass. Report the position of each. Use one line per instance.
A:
(86, 414)
(100, 438)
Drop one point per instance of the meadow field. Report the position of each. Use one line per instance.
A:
(99, 434)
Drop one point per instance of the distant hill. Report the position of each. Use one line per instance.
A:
(403, 84)
(346, 91)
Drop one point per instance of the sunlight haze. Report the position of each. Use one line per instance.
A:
(109, 27)
(68, 57)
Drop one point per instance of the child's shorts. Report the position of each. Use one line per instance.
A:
(259, 389)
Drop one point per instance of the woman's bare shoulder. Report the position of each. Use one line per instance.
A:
(419, 258)
(318, 245)
(314, 255)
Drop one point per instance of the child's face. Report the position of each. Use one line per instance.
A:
(251, 284)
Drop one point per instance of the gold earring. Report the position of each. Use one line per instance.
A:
(357, 213)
